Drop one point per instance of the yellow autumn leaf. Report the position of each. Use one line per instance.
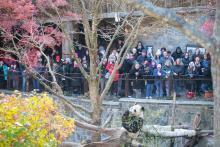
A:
(32, 119)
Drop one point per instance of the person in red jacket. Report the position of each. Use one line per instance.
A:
(109, 68)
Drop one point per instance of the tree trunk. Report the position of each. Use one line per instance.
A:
(96, 106)
(216, 75)
(216, 87)
(56, 87)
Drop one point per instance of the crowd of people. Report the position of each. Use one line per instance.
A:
(144, 73)
(160, 74)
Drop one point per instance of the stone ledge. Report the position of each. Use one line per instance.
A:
(178, 102)
(136, 100)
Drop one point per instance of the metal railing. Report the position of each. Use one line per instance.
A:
(126, 86)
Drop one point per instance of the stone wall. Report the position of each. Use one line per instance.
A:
(157, 112)
(167, 37)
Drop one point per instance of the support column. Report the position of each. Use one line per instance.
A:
(66, 44)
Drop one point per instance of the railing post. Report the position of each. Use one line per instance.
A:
(27, 84)
(126, 84)
(17, 80)
(8, 79)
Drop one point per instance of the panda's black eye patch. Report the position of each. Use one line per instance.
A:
(134, 110)
(142, 108)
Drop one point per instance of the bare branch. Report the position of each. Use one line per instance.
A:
(86, 24)
(54, 82)
(131, 39)
(66, 102)
(107, 131)
(125, 47)
(95, 23)
(112, 40)
(44, 11)
(8, 50)
(85, 74)
(72, 48)
(108, 120)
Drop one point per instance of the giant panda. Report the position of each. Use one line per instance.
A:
(132, 119)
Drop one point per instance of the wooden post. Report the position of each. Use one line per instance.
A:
(173, 118)
(17, 81)
(27, 83)
(8, 80)
(126, 84)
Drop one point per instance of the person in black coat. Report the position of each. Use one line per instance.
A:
(186, 61)
(141, 58)
(167, 68)
(198, 65)
(14, 75)
(178, 72)
(139, 47)
(206, 83)
(125, 69)
(134, 53)
(191, 74)
(65, 70)
(127, 64)
(197, 54)
(76, 82)
(136, 76)
(177, 54)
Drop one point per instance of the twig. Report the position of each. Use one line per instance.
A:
(108, 120)
(66, 102)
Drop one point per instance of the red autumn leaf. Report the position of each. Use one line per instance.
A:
(207, 27)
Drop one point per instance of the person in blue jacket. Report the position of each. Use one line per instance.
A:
(159, 76)
(149, 82)
(3, 75)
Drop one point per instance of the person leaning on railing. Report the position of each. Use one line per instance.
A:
(14, 76)
(23, 78)
(104, 77)
(198, 67)
(178, 71)
(137, 82)
(186, 60)
(109, 68)
(149, 82)
(159, 76)
(3, 75)
(167, 68)
(192, 74)
(206, 84)
(76, 81)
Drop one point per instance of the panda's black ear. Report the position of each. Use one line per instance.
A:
(142, 108)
